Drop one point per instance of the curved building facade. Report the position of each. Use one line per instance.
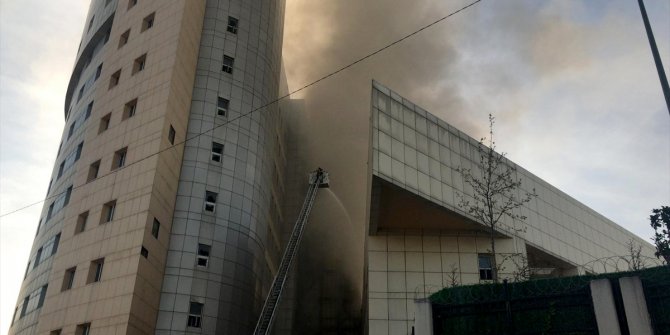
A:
(120, 244)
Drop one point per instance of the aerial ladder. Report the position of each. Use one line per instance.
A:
(317, 179)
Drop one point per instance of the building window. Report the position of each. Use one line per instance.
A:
(148, 21)
(61, 167)
(50, 211)
(82, 219)
(56, 332)
(155, 228)
(43, 295)
(210, 201)
(54, 249)
(203, 255)
(80, 147)
(39, 225)
(123, 40)
(24, 309)
(119, 158)
(68, 279)
(130, 109)
(140, 63)
(93, 171)
(37, 258)
(90, 24)
(232, 25)
(132, 3)
(81, 92)
(114, 79)
(89, 110)
(144, 252)
(71, 130)
(485, 267)
(27, 269)
(104, 123)
(222, 106)
(68, 193)
(49, 188)
(195, 315)
(217, 152)
(108, 211)
(95, 271)
(171, 135)
(228, 64)
(60, 146)
(83, 329)
(98, 71)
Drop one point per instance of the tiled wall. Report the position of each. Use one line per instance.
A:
(243, 230)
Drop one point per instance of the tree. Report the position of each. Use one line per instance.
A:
(635, 261)
(494, 191)
(660, 221)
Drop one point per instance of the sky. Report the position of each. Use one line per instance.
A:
(571, 83)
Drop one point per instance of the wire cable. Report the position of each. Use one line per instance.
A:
(287, 95)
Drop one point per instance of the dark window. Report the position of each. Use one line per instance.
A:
(93, 171)
(60, 146)
(71, 130)
(203, 254)
(232, 25)
(89, 109)
(222, 106)
(217, 152)
(130, 109)
(114, 79)
(132, 3)
(123, 40)
(195, 315)
(68, 193)
(210, 201)
(485, 267)
(95, 271)
(119, 158)
(155, 228)
(83, 329)
(108, 211)
(104, 123)
(50, 211)
(144, 252)
(148, 21)
(56, 332)
(78, 154)
(228, 64)
(37, 258)
(171, 135)
(24, 309)
(98, 71)
(140, 63)
(68, 279)
(43, 295)
(61, 167)
(82, 219)
(54, 249)
(49, 188)
(81, 92)
(90, 24)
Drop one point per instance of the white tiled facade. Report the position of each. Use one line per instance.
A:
(419, 153)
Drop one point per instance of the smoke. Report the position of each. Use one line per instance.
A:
(550, 71)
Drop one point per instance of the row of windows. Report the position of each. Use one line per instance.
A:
(228, 61)
(61, 201)
(43, 253)
(30, 303)
(69, 160)
(94, 274)
(82, 329)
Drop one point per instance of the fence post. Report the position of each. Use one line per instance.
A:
(635, 306)
(604, 308)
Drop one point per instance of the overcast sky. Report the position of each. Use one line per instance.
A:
(572, 84)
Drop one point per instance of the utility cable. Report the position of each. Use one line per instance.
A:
(287, 95)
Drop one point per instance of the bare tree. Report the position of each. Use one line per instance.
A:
(635, 261)
(494, 191)
(453, 276)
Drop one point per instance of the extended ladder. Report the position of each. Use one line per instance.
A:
(317, 179)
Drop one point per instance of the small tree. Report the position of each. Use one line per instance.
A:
(494, 191)
(660, 221)
(635, 261)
